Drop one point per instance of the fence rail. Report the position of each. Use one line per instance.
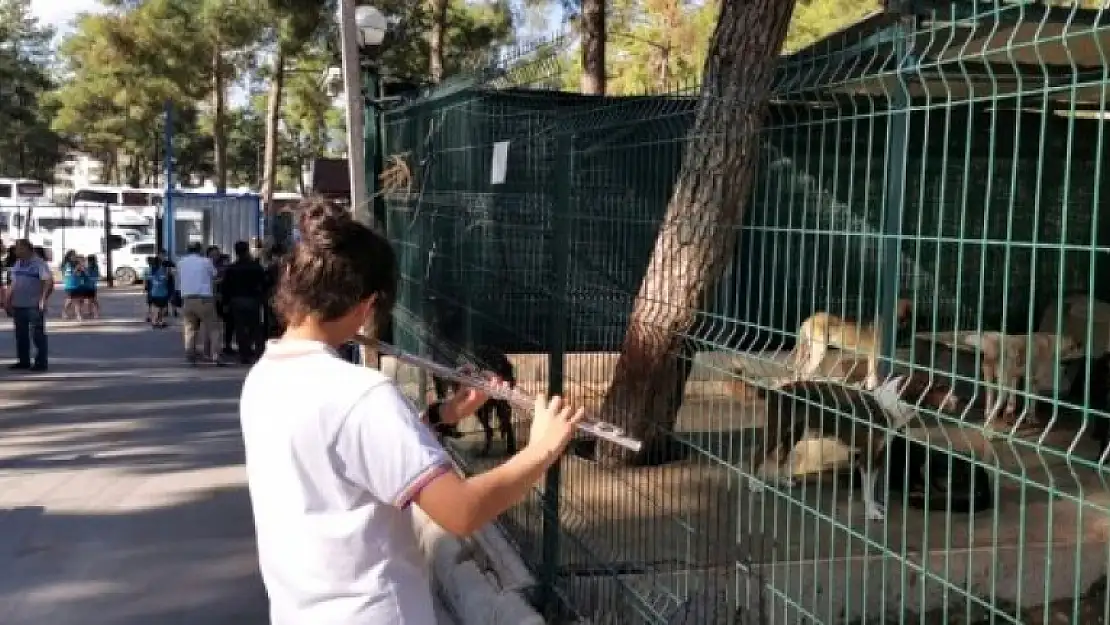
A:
(952, 156)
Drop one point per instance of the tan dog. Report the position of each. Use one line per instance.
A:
(822, 330)
(1004, 360)
(857, 418)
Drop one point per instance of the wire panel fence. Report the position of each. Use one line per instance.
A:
(950, 157)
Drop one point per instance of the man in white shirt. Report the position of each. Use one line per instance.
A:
(195, 274)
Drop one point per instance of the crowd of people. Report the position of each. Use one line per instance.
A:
(223, 300)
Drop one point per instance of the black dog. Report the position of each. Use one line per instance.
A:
(933, 477)
(1099, 400)
(494, 361)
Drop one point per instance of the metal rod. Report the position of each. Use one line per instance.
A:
(600, 429)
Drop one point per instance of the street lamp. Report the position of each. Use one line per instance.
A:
(371, 26)
(362, 29)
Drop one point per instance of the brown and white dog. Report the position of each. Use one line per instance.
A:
(822, 330)
(1004, 361)
(851, 416)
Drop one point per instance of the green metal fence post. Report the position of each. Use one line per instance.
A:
(561, 207)
(897, 162)
(419, 270)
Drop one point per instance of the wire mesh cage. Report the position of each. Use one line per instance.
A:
(925, 204)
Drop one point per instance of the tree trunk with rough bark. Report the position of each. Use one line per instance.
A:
(593, 47)
(219, 121)
(699, 228)
(273, 115)
(437, 39)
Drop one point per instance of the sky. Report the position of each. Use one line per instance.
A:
(61, 13)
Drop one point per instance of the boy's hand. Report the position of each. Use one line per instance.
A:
(554, 425)
(467, 399)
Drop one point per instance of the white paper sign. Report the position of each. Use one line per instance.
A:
(500, 162)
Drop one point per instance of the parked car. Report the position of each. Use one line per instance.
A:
(130, 261)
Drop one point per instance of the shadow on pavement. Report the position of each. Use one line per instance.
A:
(122, 498)
(190, 563)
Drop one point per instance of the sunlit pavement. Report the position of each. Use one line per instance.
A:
(122, 495)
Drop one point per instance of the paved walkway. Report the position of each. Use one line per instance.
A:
(122, 495)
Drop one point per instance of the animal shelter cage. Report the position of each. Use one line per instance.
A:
(950, 154)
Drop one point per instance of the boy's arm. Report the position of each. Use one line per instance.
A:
(388, 451)
(462, 506)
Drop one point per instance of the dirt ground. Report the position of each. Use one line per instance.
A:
(661, 529)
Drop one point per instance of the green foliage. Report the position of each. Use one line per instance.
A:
(119, 69)
(656, 46)
(123, 66)
(28, 146)
(475, 28)
(815, 19)
(653, 46)
(246, 134)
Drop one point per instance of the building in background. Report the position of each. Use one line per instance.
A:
(78, 170)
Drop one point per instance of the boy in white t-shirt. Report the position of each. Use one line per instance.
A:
(335, 453)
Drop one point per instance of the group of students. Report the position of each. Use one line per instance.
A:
(80, 279)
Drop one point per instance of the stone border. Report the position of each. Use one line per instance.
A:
(481, 579)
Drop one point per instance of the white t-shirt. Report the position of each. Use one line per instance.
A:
(194, 276)
(335, 455)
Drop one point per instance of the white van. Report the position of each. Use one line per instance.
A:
(130, 262)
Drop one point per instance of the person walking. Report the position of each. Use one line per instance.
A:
(71, 284)
(171, 271)
(31, 282)
(158, 291)
(242, 290)
(89, 287)
(195, 277)
(272, 325)
(222, 262)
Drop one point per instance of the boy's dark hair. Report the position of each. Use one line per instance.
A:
(337, 264)
(242, 249)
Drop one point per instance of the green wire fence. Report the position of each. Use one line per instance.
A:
(950, 154)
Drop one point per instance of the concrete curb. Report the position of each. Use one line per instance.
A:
(481, 579)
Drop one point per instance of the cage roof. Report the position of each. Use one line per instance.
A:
(960, 51)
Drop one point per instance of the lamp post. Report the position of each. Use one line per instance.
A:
(360, 28)
(364, 28)
(372, 27)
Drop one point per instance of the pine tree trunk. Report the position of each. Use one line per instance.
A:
(436, 40)
(699, 229)
(273, 114)
(593, 47)
(219, 121)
